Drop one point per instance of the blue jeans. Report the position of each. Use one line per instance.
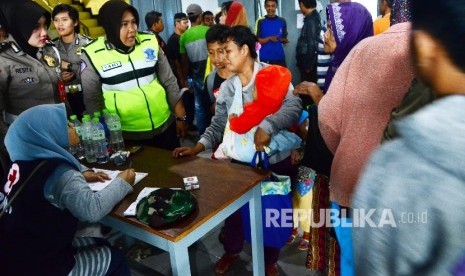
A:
(201, 112)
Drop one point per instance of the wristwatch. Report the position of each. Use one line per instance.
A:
(181, 119)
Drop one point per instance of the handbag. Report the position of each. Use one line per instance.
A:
(277, 212)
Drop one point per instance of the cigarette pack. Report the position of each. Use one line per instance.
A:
(191, 183)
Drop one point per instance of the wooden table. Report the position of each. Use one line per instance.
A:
(224, 188)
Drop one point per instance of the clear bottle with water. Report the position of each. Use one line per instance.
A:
(116, 134)
(86, 131)
(101, 118)
(78, 150)
(99, 141)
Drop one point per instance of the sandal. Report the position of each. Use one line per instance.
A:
(223, 264)
(291, 239)
(303, 245)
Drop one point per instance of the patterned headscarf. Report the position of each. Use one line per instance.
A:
(400, 12)
(351, 22)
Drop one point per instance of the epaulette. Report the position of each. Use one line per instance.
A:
(85, 48)
(145, 32)
(4, 46)
(55, 39)
(49, 43)
(9, 44)
(89, 39)
(108, 45)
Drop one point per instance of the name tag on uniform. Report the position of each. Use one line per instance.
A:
(23, 70)
(111, 66)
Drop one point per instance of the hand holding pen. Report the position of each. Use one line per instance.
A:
(128, 175)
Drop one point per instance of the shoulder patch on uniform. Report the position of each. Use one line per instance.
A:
(150, 54)
(82, 65)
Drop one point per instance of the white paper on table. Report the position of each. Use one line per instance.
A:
(97, 186)
(131, 210)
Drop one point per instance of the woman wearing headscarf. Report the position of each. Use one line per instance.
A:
(233, 13)
(29, 71)
(348, 24)
(127, 73)
(371, 81)
(40, 215)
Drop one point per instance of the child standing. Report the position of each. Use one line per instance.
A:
(302, 198)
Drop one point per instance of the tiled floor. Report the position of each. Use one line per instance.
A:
(147, 260)
(204, 254)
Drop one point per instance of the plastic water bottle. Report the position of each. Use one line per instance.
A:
(78, 150)
(101, 119)
(87, 139)
(99, 141)
(116, 134)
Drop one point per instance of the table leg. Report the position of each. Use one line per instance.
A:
(179, 257)
(255, 207)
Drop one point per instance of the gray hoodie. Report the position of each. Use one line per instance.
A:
(418, 183)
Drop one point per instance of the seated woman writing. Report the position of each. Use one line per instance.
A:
(42, 202)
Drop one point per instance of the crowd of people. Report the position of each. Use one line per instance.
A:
(373, 123)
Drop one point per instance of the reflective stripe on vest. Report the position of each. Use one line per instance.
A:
(129, 85)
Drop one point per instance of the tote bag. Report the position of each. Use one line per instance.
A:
(277, 212)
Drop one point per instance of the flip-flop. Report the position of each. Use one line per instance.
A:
(303, 245)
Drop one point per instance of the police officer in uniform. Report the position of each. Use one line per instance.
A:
(127, 73)
(29, 71)
(69, 44)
